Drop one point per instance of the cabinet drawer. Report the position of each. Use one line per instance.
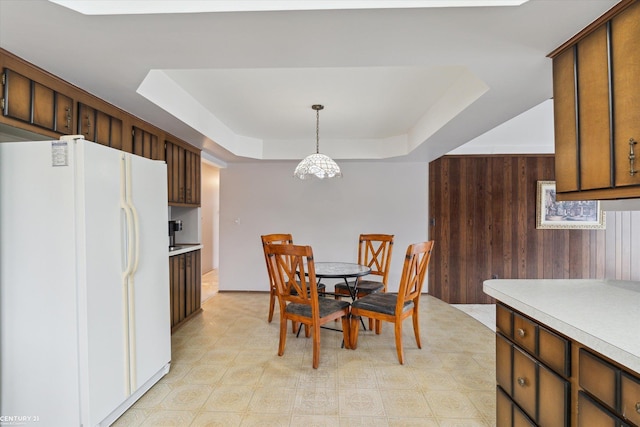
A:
(598, 378)
(524, 333)
(525, 382)
(630, 398)
(504, 320)
(591, 414)
(554, 351)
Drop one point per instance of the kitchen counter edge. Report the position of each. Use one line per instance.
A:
(185, 249)
(600, 314)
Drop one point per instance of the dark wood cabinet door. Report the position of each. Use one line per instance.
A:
(564, 122)
(43, 106)
(593, 110)
(17, 96)
(625, 57)
(525, 382)
(504, 409)
(175, 158)
(192, 178)
(553, 399)
(63, 114)
(145, 144)
(189, 283)
(87, 122)
(100, 127)
(197, 273)
(504, 364)
(591, 414)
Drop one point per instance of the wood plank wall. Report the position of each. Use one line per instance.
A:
(482, 216)
(623, 245)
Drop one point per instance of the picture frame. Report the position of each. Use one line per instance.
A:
(574, 214)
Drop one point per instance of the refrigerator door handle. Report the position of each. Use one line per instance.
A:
(134, 214)
(135, 236)
(126, 207)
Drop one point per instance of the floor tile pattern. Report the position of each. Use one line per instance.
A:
(225, 372)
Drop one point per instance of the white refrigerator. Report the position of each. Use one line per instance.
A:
(84, 281)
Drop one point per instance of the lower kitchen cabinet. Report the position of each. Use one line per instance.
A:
(185, 286)
(546, 379)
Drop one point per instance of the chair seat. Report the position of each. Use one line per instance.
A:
(384, 303)
(326, 305)
(365, 287)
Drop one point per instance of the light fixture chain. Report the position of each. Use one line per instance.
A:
(317, 131)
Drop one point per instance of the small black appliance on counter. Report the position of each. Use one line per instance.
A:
(174, 226)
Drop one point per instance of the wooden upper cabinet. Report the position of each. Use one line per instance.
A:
(625, 46)
(593, 107)
(32, 102)
(597, 108)
(183, 175)
(192, 177)
(98, 126)
(146, 144)
(565, 122)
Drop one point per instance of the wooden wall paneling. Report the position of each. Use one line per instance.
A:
(484, 208)
(622, 243)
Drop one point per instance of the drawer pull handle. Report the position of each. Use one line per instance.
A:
(638, 407)
(521, 332)
(522, 381)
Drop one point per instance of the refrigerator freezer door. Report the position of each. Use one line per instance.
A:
(38, 323)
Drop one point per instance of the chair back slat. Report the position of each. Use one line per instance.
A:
(293, 271)
(375, 251)
(413, 272)
(274, 239)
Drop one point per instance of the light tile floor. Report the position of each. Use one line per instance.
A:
(225, 372)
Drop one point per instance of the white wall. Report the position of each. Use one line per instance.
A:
(263, 198)
(210, 211)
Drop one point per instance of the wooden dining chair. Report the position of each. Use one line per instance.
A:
(278, 239)
(293, 270)
(394, 308)
(374, 251)
(272, 239)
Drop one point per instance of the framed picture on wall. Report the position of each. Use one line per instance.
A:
(570, 214)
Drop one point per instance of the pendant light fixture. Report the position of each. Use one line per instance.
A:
(317, 164)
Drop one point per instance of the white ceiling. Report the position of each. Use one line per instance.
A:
(397, 84)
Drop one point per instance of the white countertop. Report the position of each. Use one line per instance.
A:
(185, 247)
(601, 314)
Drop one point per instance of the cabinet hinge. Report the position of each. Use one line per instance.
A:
(4, 78)
(133, 132)
(2, 104)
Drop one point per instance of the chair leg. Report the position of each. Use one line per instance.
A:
(316, 345)
(272, 304)
(283, 335)
(371, 323)
(378, 326)
(346, 335)
(416, 328)
(294, 327)
(399, 349)
(353, 331)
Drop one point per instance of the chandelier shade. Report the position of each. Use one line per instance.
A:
(317, 164)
